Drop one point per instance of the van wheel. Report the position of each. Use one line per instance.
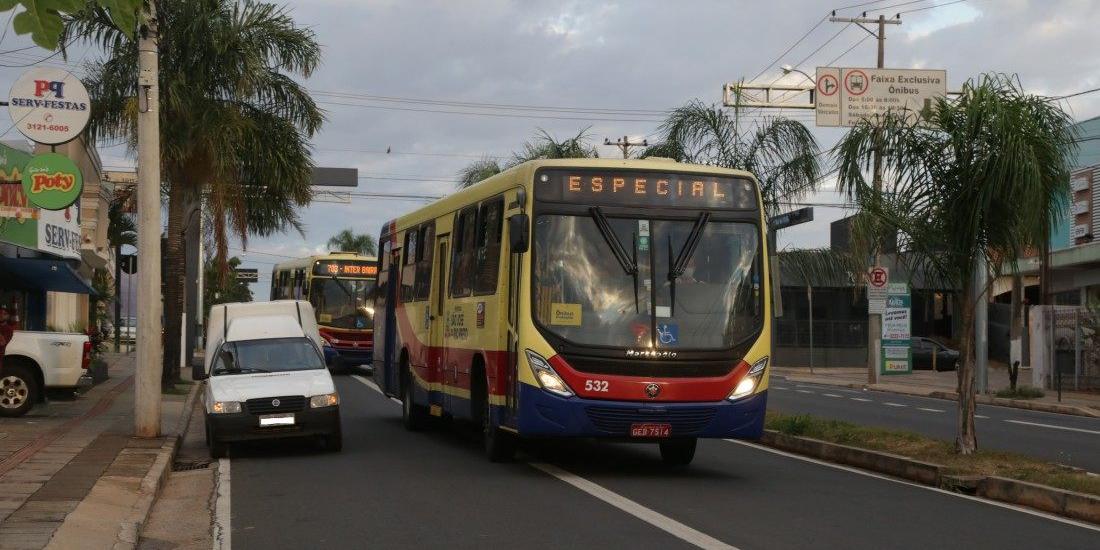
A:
(678, 452)
(18, 390)
(412, 415)
(500, 446)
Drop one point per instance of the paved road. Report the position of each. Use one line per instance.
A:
(1062, 438)
(394, 489)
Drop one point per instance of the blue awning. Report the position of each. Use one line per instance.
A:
(32, 274)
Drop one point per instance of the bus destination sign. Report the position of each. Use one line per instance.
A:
(345, 268)
(645, 189)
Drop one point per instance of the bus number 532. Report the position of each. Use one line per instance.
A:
(595, 385)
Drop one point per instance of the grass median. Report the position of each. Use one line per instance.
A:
(936, 451)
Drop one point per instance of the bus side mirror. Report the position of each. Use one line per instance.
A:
(519, 233)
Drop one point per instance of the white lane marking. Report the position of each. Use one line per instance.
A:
(930, 410)
(980, 416)
(370, 384)
(1082, 430)
(803, 391)
(889, 404)
(223, 532)
(654, 518)
(1005, 505)
(779, 388)
(831, 395)
(861, 399)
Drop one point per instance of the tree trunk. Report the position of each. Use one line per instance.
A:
(1016, 331)
(173, 282)
(966, 440)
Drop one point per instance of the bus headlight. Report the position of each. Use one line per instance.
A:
(548, 379)
(752, 378)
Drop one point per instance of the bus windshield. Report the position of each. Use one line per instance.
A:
(586, 294)
(342, 303)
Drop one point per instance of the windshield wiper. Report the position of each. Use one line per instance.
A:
(343, 287)
(238, 370)
(629, 265)
(677, 267)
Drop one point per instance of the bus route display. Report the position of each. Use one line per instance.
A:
(345, 268)
(645, 189)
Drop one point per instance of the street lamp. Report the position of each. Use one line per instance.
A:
(787, 69)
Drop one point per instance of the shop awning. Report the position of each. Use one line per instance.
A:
(32, 274)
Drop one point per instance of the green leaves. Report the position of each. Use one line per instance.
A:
(42, 19)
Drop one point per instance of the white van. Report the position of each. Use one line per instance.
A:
(266, 376)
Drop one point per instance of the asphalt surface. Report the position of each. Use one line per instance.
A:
(1061, 438)
(390, 488)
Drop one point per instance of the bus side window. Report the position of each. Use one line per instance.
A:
(488, 246)
(462, 260)
(383, 270)
(424, 252)
(408, 266)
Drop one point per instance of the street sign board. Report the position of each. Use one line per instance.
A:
(847, 95)
(49, 105)
(878, 279)
(247, 275)
(792, 218)
(896, 324)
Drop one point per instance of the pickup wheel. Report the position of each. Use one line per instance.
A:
(18, 390)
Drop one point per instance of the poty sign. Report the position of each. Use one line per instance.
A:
(52, 182)
(896, 326)
(49, 106)
(845, 96)
(878, 278)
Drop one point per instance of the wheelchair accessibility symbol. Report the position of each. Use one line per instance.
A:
(668, 334)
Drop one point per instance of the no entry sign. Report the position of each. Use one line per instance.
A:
(878, 280)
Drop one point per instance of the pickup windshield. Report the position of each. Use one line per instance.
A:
(584, 294)
(271, 355)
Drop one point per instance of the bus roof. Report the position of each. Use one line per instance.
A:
(309, 260)
(525, 172)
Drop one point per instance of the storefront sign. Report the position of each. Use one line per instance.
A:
(27, 226)
(896, 337)
(49, 106)
(51, 181)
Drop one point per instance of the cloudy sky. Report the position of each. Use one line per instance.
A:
(394, 73)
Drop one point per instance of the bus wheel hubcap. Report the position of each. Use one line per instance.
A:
(13, 392)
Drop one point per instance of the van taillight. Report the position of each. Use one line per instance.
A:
(86, 358)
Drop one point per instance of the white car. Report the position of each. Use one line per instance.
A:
(266, 376)
(34, 361)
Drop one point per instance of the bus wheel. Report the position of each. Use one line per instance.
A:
(500, 446)
(678, 452)
(412, 415)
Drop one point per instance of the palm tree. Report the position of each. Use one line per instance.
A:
(235, 126)
(349, 241)
(782, 153)
(121, 231)
(985, 174)
(543, 146)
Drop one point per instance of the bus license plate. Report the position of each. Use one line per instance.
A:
(277, 420)
(650, 430)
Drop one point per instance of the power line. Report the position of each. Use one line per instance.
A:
(498, 115)
(932, 7)
(792, 46)
(1067, 96)
(501, 106)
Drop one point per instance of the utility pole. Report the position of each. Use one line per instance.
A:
(147, 395)
(624, 144)
(874, 320)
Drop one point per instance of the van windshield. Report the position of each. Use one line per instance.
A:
(271, 355)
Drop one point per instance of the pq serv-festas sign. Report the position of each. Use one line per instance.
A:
(52, 182)
(49, 106)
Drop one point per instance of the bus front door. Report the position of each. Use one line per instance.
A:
(436, 363)
(391, 384)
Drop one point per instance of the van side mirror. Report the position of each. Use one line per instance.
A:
(519, 233)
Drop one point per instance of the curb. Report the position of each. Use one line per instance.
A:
(952, 396)
(129, 532)
(1060, 502)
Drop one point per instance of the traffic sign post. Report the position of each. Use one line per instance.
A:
(845, 96)
(247, 275)
(878, 280)
(897, 356)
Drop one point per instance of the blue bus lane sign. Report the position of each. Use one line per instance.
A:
(897, 355)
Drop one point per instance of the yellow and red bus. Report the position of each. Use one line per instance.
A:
(339, 285)
(624, 299)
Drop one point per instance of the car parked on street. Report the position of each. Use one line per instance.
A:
(266, 376)
(925, 349)
(33, 361)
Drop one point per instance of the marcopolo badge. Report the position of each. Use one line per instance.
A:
(52, 181)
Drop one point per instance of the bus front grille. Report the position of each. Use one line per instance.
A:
(684, 421)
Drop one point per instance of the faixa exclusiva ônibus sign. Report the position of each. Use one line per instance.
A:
(52, 181)
(49, 106)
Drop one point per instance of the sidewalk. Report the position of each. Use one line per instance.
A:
(942, 385)
(71, 474)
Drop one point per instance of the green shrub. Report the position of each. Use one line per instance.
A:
(1021, 392)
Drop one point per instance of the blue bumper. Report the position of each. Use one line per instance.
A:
(542, 414)
(350, 357)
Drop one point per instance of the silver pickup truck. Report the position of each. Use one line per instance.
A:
(34, 361)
